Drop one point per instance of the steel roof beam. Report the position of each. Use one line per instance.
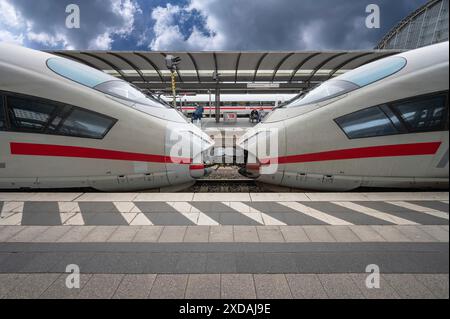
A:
(146, 59)
(340, 66)
(236, 69)
(299, 66)
(216, 66)
(130, 64)
(275, 71)
(195, 66)
(323, 63)
(258, 65)
(112, 65)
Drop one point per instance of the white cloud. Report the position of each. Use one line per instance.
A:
(53, 41)
(275, 24)
(101, 42)
(42, 23)
(126, 10)
(198, 41)
(11, 23)
(168, 36)
(6, 36)
(167, 33)
(9, 17)
(218, 24)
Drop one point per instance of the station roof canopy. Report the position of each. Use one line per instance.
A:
(239, 72)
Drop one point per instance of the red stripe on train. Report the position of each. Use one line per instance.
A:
(361, 152)
(196, 167)
(92, 153)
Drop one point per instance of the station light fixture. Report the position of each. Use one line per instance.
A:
(172, 62)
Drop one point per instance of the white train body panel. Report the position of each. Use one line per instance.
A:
(131, 156)
(315, 152)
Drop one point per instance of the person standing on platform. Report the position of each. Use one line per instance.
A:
(198, 113)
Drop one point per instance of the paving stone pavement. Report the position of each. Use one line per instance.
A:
(231, 246)
(197, 209)
(226, 286)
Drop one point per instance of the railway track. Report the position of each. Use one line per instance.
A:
(226, 186)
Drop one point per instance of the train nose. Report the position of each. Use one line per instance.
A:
(188, 149)
(202, 145)
(262, 147)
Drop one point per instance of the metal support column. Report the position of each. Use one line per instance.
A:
(216, 78)
(174, 90)
(210, 104)
(217, 104)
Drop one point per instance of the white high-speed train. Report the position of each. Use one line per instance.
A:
(241, 104)
(384, 124)
(66, 125)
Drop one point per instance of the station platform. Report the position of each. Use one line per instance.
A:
(225, 136)
(241, 122)
(230, 245)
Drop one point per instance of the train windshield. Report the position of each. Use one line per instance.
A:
(324, 92)
(78, 72)
(100, 81)
(351, 81)
(126, 91)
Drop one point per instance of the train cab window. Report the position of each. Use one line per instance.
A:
(29, 115)
(78, 72)
(2, 115)
(423, 114)
(369, 122)
(102, 82)
(375, 71)
(126, 91)
(86, 124)
(351, 81)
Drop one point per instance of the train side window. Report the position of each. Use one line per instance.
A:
(399, 125)
(424, 114)
(82, 123)
(29, 115)
(369, 122)
(2, 115)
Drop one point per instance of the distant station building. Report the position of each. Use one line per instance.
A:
(425, 26)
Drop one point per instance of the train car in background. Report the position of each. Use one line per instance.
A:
(241, 104)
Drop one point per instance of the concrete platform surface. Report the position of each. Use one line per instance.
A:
(189, 245)
(227, 286)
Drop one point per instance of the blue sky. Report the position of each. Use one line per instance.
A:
(196, 25)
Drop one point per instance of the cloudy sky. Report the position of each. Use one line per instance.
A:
(199, 24)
